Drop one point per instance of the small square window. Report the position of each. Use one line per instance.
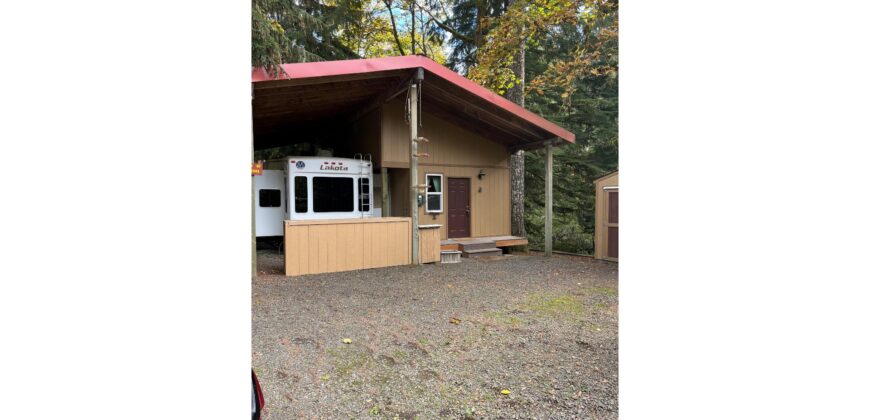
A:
(270, 198)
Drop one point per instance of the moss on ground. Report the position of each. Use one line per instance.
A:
(606, 291)
(555, 306)
(503, 318)
(346, 359)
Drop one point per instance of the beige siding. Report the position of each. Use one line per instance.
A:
(448, 143)
(455, 153)
(327, 246)
(490, 200)
(611, 180)
(366, 137)
(399, 188)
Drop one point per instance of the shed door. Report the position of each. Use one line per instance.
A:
(458, 208)
(613, 224)
(270, 200)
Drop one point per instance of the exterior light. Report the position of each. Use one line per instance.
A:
(481, 174)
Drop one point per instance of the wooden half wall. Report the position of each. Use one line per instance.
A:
(327, 246)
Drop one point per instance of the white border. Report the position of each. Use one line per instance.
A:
(439, 194)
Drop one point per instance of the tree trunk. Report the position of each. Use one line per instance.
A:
(413, 31)
(518, 165)
(518, 185)
(389, 5)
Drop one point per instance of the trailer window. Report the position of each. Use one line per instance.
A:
(300, 188)
(434, 196)
(364, 194)
(270, 198)
(333, 194)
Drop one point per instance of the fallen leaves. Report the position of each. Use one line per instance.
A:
(454, 320)
(346, 341)
(505, 392)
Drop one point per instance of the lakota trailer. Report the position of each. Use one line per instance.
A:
(313, 188)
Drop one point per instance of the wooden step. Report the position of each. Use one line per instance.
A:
(450, 257)
(473, 246)
(485, 252)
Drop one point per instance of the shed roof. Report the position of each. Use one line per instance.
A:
(606, 175)
(329, 90)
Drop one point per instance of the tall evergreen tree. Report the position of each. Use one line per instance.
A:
(286, 31)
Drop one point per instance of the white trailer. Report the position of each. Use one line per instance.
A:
(313, 188)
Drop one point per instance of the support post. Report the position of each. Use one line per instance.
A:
(253, 217)
(385, 193)
(548, 218)
(415, 215)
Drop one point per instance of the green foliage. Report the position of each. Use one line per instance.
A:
(287, 31)
(469, 18)
(570, 52)
(574, 81)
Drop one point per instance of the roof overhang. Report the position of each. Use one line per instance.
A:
(307, 94)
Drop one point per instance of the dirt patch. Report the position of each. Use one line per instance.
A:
(440, 341)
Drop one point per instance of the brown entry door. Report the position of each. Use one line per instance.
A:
(458, 208)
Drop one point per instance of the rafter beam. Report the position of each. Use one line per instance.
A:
(480, 113)
(388, 94)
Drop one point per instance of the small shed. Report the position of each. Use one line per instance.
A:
(607, 217)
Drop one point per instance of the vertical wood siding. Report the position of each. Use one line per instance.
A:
(430, 245)
(366, 135)
(455, 153)
(448, 143)
(327, 246)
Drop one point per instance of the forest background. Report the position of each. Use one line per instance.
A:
(557, 58)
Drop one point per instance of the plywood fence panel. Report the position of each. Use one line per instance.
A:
(430, 245)
(327, 246)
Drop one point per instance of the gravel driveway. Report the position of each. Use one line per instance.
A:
(439, 341)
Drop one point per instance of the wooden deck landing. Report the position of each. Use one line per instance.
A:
(500, 241)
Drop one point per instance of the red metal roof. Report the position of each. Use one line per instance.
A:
(373, 65)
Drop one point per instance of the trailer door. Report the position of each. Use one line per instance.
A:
(270, 197)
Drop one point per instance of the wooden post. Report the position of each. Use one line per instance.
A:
(548, 218)
(253, 215)
(385, 193)
(415, 222)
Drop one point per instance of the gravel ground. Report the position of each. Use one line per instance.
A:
(439, 341)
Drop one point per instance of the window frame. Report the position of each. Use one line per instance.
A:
(439, 194)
